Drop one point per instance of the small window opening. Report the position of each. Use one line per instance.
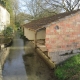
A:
(56, 27)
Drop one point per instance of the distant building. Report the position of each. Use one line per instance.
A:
(4, 18)
(26, 21)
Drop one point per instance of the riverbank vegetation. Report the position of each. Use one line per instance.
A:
(6, 37)
(70, 69)
(8, 32)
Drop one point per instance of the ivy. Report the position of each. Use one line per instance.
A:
(3, 3)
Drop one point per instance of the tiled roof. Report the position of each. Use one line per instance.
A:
(38, 24)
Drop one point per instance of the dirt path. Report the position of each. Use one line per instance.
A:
(35, 67)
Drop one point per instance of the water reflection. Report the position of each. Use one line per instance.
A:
(14, 67)
(36, 69)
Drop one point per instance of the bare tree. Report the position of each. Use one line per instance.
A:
(38, 8)
(43, 8)
(32, 7)
(22, 17)
(16, 9)
(70, 5)
(67, 5)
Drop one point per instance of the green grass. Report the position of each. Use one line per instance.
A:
(69, 68)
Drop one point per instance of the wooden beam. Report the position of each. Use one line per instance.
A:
(35, 40)
(47, 60)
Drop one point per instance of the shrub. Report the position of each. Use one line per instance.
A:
(8, 32)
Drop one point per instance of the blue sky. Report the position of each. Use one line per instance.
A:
(23, 8)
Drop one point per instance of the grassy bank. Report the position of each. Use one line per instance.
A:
(70, 69)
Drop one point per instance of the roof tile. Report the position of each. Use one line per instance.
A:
(38, 24)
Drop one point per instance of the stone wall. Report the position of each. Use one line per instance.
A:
(3, 55)
(4, 18)
(64, 34)
(60, 56)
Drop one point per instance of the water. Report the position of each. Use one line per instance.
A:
(34, 68)
(14, 68)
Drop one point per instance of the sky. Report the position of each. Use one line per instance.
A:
(25, 9)
(22, 7)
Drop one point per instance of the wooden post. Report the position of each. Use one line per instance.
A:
(0, 47)
(35, 40)
(47, 60)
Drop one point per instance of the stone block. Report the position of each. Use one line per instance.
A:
(68, 33)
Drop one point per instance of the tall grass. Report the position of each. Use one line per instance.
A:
(69, 68)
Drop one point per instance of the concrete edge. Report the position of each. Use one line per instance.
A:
(3, 57)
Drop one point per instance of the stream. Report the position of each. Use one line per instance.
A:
(29, 67)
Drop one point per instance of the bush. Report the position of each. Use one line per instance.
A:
(8, 32)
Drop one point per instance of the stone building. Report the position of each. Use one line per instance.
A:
(61, 32)
(4, 18)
